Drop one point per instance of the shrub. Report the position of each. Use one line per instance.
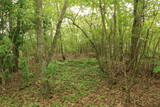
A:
(6, 59)
(23, 66)
(48, 72)
(157, 68)
(26, 75)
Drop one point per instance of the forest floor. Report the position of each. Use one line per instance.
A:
(78, 83)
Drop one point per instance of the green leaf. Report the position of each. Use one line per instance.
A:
(156, 69)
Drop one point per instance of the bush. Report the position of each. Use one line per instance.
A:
(157, 68)
(26, 75)
(50, 70)
(23, 66)
(6, 59)
(5, 77)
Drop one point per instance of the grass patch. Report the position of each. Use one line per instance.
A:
(79, 77)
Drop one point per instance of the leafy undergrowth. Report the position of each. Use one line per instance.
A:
(77, 83)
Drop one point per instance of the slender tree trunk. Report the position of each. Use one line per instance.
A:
(121, 42)
(2, 21)
(102, 11)
(14, 35)
(115, 30)
(136, 33)
(16, 57)
(100, 63)
(58, 30)
(137, 27)
(62, 49)
(40, 36)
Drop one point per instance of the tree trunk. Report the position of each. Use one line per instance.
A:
(136, 32)
(14, 35)
(58, 30)
(62, 49)
(137, 27)
(40, 36)
(16, 57)
(115, 53)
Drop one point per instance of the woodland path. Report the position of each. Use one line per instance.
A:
(76, 83)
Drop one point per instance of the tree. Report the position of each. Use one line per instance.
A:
(39, 32)
(58, 31)
(16, 30)
(136, 32)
